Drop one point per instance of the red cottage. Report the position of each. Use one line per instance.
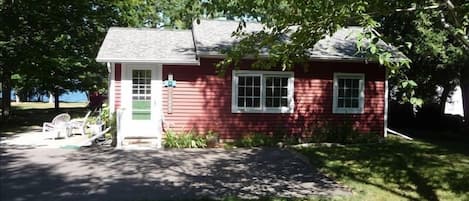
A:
(161, 79)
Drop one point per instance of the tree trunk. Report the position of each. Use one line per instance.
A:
(17, 98)
(465, 94)
(444, 99)
(6, 93)
(56, 99)
(51, 97)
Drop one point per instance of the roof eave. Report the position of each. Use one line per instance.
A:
(160, 61)
(313, 58)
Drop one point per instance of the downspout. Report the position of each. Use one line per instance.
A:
(386, 106)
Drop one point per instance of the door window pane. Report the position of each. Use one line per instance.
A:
(141, 94)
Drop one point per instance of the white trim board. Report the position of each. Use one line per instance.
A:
(194, 62)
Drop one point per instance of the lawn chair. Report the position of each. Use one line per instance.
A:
(80, 124)
(58, 126)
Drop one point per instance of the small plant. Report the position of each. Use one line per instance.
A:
(255, 140)
(184, 140)
(93, 120)
(105, 116)
(113, 131)
(211, 138)
(343, 133)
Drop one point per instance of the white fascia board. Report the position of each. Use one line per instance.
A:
(171, 61)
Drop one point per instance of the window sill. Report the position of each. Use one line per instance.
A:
(347, 111)
(266, 111)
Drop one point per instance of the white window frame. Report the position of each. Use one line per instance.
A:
(262, 108)
(361, 92)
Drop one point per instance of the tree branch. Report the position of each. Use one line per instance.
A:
(415, 8)
(461, 37)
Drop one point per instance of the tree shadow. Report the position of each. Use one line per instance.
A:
(59, 174)
(202, 101)
(412, 170)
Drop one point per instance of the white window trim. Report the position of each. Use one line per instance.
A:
(361, 101)
(262, 109)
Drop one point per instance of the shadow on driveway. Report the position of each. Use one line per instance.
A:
(96, 174)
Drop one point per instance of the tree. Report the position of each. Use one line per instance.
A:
(314, 19)
(437, 61)
(51, 44)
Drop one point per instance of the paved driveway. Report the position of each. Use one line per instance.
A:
(92, 174)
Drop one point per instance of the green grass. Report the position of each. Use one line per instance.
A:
(39, 105)
(398, 169)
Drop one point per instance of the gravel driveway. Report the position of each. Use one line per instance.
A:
(97, 174)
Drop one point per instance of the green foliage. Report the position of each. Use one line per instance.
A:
(441, 30)
(438, 59)
(211, 139)
(255, 139)
(110, 120)
(184, 140)
(93, 119)
(397, 169)
(50, 46)
(259, 139)
(343, 133)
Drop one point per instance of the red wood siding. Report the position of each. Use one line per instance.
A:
(117, 86)
(202, 101)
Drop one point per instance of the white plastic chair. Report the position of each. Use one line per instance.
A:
(58, 126)
(80, 124)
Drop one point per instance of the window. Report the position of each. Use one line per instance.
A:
(141, 94)
(348, 93)
(262, 92)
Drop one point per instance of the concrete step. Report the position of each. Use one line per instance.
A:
(140, 143)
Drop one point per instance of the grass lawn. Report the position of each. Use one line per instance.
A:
(39, 105)
(398, 169)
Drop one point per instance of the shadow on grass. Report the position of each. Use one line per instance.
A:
(31, 119)
(412, 170)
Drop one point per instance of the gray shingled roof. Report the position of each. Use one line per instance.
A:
(213, 36)
(343, 45)
(147, 45)
(210, 38)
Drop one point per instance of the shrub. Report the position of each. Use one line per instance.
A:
(255, 140)
(343, 133)
(184, 140)
(211, 139)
